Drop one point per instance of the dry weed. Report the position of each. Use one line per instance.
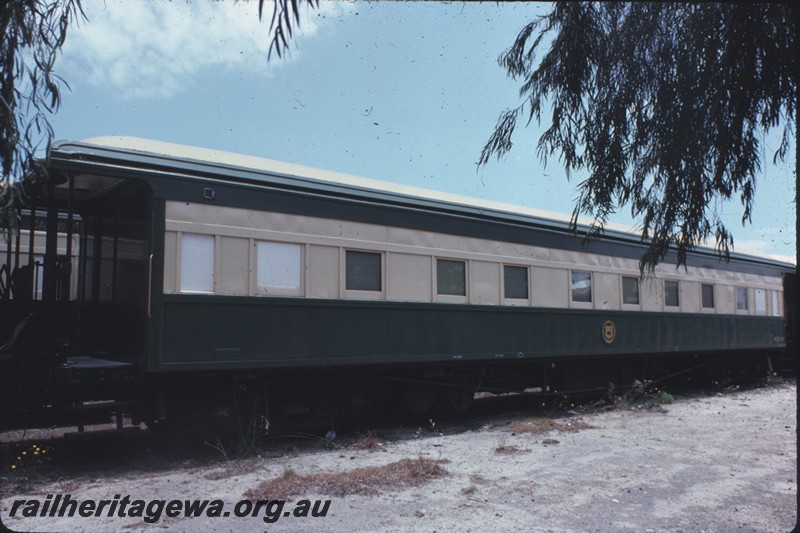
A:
(365, 481)
(509, 449)
(537, 426)
(369, 441)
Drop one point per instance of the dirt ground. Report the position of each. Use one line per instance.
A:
(713, 462)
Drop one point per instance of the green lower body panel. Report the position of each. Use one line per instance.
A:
(203, 332)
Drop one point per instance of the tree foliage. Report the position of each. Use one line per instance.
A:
(31, 35)
(663, 106)
(285, 17)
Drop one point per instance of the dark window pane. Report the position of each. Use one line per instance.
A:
(671, 293)
(516, 282)
(581, 286)
(451, 277)
(363, 271)
(741, 298)
(708, 295)
(630, 290)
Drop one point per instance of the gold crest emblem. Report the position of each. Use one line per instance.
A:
(609, 332)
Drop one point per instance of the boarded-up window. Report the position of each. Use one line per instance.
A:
(776, 303)
(279, 265)
(761, 301)
(197, 263)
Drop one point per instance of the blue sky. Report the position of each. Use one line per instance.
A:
(397, 91)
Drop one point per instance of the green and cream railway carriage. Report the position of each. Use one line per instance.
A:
(192, 270)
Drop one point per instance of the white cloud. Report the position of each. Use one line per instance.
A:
(154, 48)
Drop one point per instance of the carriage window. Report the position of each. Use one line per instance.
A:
(581, 286)
(776, 303)
(630, 290)
(671, 294)
(516, 282)
(363, 271)
(761, 301)
(279, 265)
(708, 296)
(197, 263)
(451, 277)
(741, 298)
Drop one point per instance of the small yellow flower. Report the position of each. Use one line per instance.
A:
(13, 467)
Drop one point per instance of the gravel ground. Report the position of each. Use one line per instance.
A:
(712, 463)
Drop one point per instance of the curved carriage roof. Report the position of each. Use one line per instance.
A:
(271, 168)
(146, 153)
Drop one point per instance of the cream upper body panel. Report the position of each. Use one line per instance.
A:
(408, 264)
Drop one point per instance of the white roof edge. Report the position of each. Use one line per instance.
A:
(207, 155)
(233, 159)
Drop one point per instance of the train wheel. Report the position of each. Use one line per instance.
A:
(456, 399)
(418, 398)
(202, 410)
